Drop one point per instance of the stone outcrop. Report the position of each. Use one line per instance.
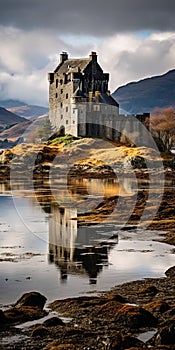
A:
(31, 299)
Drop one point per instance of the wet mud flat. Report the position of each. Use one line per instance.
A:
(135, 315)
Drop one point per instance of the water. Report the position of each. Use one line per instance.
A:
(66, 241)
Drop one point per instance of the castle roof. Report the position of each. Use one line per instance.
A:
(108, 99)
(79, 93)
(74, 64)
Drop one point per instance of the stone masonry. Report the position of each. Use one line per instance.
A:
(80, 103)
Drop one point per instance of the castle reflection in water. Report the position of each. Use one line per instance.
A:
(74, 248)
(80, 236)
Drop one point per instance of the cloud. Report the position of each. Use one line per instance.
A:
(129, 57)
(25, 59)
(27, 56)
(89, 17)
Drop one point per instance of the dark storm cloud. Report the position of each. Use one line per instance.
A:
(89, 17)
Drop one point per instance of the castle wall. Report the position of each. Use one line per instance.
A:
(76, 90)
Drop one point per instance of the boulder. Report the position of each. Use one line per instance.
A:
(157, 307)
(23, 314)
(134, 317)
(40, 331)
(126, 342)
(54, 321)
(166, 334)
(32, 299)
(2, 317)
(149, 290)
(170, 272)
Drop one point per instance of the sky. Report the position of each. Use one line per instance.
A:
(134, 39)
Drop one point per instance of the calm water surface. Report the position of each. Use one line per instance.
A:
(43, 247)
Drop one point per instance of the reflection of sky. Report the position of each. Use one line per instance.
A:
(128, 260)
(23, 223)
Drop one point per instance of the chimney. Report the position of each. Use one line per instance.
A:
(90, 96)
(97, 94)
(93, 56)
(63, 57)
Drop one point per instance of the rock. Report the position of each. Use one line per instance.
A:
(125, 342)
(134, 317)
(135, 162)
(40, 331)
(32, 299)
(55, 346)
(23, 314)
(2, 317)
(129, 341)
(149, 290)
(170, 272)
(166, 335)
(54, 321)
(117, 297)
(157, 307)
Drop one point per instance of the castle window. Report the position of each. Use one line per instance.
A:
(67, 121)
(67, 96)
(96, 108)
(61, 116)
(56, 83)
(73, 121)
(61, 81)
(66, 109)
(56, 95)
(61, 91)
(61, 104)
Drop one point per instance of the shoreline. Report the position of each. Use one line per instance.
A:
(123, 317)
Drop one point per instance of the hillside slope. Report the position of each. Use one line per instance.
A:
(8, 118)
(147, 94)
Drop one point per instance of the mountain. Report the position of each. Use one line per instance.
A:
(23, 109)
(15, 132)
(23, 129)
(147, 94)
(8, 118)
(29, 111)
(11, 103)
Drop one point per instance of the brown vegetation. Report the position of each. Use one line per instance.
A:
(162, 125)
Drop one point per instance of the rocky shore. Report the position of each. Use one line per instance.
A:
(136, 315)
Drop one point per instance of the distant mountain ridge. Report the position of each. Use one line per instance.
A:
(147, 94)
(23, 109)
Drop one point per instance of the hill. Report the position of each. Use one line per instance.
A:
(23, 109)
(8, 118)
(26, 129)
(29, 111)
(147, 94)
(15, 132)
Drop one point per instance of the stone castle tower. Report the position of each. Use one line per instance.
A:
(79, 101)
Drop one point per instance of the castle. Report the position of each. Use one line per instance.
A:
(80, 103)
